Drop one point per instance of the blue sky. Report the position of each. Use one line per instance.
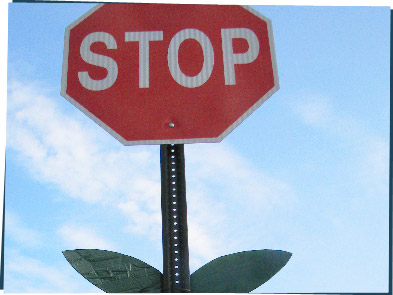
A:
(305, 173)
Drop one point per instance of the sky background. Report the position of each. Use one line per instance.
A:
(305, 173)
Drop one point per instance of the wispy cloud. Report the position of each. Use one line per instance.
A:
(227, 175)
(83, 237)
(30, 275)
(27, 272)
(144, 221)
(64, 151)
(22, 234)
(368, 151)
(225, 193)
(315, 110)
(374, 170)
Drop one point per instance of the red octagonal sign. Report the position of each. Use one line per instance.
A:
(156, 74)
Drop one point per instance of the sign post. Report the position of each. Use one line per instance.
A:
(169, 75)
(176, 271)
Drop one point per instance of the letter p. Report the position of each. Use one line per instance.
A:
(230, 58)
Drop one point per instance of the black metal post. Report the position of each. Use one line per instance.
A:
(176, 272)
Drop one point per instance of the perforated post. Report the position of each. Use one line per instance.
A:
(176, 272)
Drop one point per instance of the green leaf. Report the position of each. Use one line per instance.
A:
(114, 272)
(238, 273)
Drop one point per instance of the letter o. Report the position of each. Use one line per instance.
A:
(173, 58)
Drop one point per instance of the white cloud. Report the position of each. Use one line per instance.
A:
(225, 175)
(374, 172)
(315, 111)
(368, 153)
(20, 233)
(27, 272)
(226, 195)
(29, 275)
(65, 151)
(141, 221)
(51, 142)
(203, 244)
(378, 157)
(82, 237)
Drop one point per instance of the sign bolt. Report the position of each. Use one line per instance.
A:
(171, 125)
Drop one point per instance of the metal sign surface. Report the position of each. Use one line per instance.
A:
(164, 74)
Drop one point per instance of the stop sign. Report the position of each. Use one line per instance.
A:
(159, 74)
